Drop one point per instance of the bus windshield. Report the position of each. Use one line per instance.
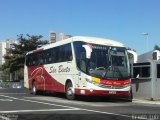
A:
(106, 62)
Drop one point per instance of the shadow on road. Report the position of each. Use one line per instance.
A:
(87, 98)
(62, 95)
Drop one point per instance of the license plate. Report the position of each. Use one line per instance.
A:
(112, 92)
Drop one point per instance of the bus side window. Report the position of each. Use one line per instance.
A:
(48, 56)
(54, 55)
(33, 60)
(40, 58)
(27, 60)
(68, 53)
(30, 60)
(61, 54)
(44, 57)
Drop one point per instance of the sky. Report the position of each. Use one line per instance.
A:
(121, 20)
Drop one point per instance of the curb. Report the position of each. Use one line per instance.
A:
(146, 101)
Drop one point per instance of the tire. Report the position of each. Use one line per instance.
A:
(130, 97)
(69, 91)
(34, 90)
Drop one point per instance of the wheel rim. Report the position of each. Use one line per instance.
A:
(34, 89)
(70, 91)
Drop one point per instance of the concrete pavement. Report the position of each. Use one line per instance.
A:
(145, 101)
(26, 91)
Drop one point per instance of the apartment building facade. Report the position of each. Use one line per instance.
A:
(4, 45)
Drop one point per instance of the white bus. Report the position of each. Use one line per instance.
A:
(80, 66)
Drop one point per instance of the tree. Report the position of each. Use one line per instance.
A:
(15, 57)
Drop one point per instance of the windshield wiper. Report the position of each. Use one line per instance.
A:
(113, 70)
(116, 69)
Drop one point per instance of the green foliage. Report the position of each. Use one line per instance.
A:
(15, 56)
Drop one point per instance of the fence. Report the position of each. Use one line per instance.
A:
(10, 84)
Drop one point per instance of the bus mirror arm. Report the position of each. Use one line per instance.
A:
(88, 51)
(137, 76)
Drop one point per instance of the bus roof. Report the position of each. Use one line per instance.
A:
(94, 40)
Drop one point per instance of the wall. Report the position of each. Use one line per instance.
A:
(148, 88)
(156, 79)
(141, 88)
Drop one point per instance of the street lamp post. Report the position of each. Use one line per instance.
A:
(147, 42)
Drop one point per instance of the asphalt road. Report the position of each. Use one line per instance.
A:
(18, 104)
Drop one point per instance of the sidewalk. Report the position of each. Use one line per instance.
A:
(13, 91)
(145, 101)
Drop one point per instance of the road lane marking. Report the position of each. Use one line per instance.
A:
(74, 102)
(40, 110)
(39, 102)
(6, 100)
(89, 110)
(8, 117)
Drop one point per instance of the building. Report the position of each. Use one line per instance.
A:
(62, 36)
(4, 45)
(146, 76)
(2, 52)
(52, 37)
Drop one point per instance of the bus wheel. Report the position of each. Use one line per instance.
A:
(34, 89)
(69, 91)
(130, 97)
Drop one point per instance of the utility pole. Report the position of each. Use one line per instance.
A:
(147, 40)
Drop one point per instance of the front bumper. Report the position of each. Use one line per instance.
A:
(102, 93)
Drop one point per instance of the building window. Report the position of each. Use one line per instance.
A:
(143, 72)
(158, 70)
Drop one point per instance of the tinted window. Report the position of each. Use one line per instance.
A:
(68, 53)
(60, 54)
(57, 54)
(142, 71)
(80, 56)
(158, 70)
(64, 53)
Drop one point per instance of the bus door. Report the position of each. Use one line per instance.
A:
(82, 65)
(81, 80)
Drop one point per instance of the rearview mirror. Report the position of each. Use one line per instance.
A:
(88, 49)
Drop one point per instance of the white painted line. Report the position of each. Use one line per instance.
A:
(39, 102)
(40, 110)
(108, 113)
(3, 118)
(6, 100)
(74, 108)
